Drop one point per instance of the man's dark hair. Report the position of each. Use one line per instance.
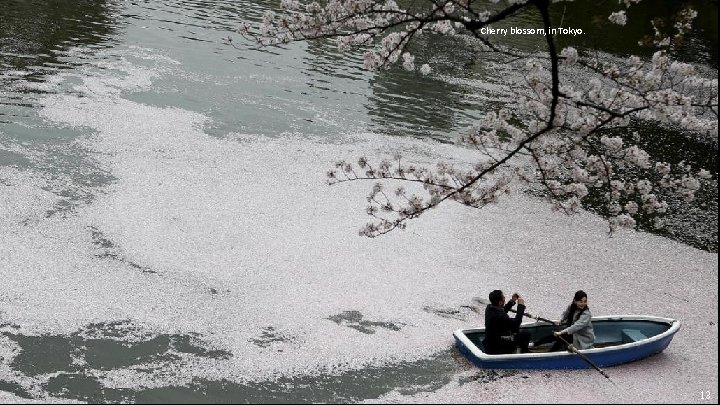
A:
(495, 297)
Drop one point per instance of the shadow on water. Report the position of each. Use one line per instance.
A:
(699, 46)
(34, 34)
(68, 366)
(691, 222)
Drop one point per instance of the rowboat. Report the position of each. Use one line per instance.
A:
(618, 339)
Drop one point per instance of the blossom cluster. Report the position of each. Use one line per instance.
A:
(565, 133)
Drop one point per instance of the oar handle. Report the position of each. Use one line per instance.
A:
(537, 317)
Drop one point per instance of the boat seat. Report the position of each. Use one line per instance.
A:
(632, 335)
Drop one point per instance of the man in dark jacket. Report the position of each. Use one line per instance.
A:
(501, 331)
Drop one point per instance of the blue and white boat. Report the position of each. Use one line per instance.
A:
(618, 339)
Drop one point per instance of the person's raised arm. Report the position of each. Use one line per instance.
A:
(511, 303)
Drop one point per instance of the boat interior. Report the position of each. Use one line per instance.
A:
(607, 333)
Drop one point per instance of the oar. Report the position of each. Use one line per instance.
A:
(486, 302)
(571, 347)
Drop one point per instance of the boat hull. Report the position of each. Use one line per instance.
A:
(625, 339)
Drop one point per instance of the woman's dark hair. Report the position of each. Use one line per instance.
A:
(579, 295)
(573, 307)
